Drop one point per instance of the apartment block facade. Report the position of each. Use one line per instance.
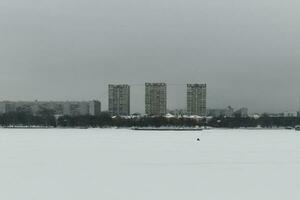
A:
(196, 99)
(119, 100)
(156, 99)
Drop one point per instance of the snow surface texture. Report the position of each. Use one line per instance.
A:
(115, 164)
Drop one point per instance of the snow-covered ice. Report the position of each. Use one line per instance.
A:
(116, 164)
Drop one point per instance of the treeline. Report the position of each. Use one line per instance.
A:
(105, 120)
(47, 118)
(264, 121)
(24, 118)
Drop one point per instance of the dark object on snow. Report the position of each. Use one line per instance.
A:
(198, 139)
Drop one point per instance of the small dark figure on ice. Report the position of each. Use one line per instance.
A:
(198, 139)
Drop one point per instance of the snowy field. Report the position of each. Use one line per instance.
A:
(114, 164)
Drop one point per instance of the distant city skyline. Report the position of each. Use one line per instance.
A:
(176, 91)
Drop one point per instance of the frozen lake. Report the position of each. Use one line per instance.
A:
(115, 164)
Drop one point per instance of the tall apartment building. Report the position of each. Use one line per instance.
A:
(196, 99)
(119, 100)
(156, 99)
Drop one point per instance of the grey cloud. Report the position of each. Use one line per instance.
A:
(246, 51)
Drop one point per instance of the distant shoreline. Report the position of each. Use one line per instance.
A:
(149, 128)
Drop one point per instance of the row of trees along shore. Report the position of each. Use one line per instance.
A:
(46, 118)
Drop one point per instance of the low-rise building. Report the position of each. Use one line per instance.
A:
(94, 108)
(290, 114)
(242, 112)
(226, 112)
(71, 108)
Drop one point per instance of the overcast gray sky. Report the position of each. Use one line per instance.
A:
(247, 51)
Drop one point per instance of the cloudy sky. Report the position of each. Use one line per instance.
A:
(247, 51)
